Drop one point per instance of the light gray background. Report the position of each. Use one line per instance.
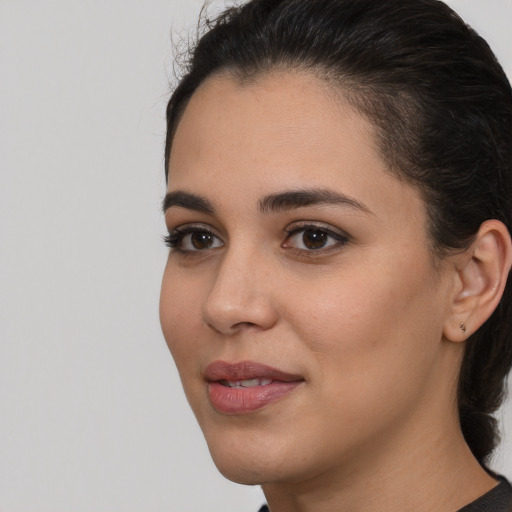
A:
(92, 416)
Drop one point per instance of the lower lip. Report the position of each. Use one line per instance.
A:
(228, 400)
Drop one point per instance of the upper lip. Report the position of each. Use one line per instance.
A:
(222, 370)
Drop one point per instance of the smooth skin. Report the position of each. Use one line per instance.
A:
(345, 292)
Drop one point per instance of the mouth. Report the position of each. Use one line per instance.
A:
(245, 387)
(246, 383)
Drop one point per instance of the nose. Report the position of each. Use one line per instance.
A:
(241, 296)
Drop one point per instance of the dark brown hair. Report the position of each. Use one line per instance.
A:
(442, 106)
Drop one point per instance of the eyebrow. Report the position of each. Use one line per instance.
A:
(188, 201)
(291, 199)
(273, 203)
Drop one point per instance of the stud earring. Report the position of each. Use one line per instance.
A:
(463, 326)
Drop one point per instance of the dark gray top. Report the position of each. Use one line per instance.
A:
(498, 499)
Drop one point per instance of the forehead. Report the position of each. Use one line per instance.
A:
(237, 142)
(277, 118)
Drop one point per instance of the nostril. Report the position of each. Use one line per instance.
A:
(233, 328)
(213, 328)
(242, 325)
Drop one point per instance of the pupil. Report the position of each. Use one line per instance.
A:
(314, 239)
(201, 240)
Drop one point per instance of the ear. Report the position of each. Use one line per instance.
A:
(481, 276)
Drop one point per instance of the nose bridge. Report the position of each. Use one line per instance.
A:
(240, 294)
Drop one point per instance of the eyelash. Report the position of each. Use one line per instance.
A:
(175, 239)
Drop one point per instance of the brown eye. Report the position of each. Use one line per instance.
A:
(202, 240)
(314, 238)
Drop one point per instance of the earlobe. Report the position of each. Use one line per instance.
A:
(482, 272)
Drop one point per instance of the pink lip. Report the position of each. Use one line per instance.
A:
(242, 400)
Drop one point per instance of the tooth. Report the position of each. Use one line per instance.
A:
(249, 383)
(246, 383)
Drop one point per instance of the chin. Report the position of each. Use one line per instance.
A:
(240, 467)
(247, 460)
(242, 474)
(253, 473)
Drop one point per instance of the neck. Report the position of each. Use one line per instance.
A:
(429, 470)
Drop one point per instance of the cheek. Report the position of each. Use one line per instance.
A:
(368, 327)
(179, 317)
(181, 321)
(339, 312)
(369, 364)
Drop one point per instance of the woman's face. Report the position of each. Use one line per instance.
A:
(299, 301)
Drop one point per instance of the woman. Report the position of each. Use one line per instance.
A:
(338, 206)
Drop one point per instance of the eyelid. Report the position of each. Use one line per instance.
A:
(198, 226)
(305, 224)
